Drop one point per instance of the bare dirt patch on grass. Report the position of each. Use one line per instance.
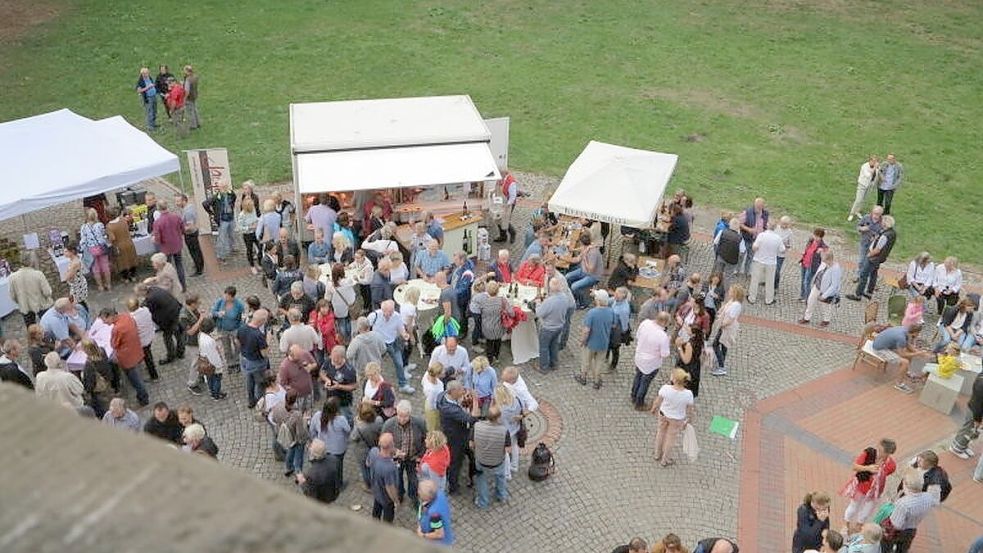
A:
(706, 100)
(18, 17)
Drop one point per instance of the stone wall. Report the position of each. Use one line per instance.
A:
(74, 485)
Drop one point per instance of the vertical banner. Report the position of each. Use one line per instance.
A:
(499, 129)
(209, 169)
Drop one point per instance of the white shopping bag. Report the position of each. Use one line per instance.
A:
(690, 447)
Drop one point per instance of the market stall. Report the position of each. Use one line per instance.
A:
(60, 156)
(615, 184)
(412, 155)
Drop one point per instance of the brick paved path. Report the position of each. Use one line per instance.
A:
(607, 487)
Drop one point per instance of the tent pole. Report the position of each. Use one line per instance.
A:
(180, 173)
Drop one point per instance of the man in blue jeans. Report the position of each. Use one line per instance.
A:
(552, 315)
(490, 441)
(148, 93)
(389, 325)
(651, 349)
(252, 355)
(588, 274)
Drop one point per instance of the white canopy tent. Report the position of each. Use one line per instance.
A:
(614, 184)
(61, 156)
(389, 143)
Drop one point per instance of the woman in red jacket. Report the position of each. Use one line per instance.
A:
(532, 272)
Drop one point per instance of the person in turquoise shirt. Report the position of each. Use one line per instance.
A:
(434, 514)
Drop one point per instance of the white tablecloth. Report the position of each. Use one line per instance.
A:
(525, 337)
(7, 305)
(429, 294)
(145, 245)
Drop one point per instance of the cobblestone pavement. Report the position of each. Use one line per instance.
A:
(607, 487)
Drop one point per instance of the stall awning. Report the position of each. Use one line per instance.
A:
(614, 184)
(388, 122)
(61, 156)
(414, 166)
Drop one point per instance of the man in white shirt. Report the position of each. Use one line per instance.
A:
(767, 247)
(453, 357)
(389, 325)
(298, 333)
(514, 382)
(651, 350)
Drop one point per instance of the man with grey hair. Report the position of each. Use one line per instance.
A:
(298, 333)
(165, 310)
(380, 287)
(119, 416)
(456, 421)
(10, 369)
(165, 276)
(596, 338)
(340, 379)
(491, 443)
(503, 267)
(29, 289)
(567, 294)
(909, 511)
(296, 299)
(878, 252)
(453, 357)
(57, 384)
(366, 346)
(765, 251)
(889, 179)
(408, 433)
(320, 478)
(869, 226)
(389, 326)
(552, 314)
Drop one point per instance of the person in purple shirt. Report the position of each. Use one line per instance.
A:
(169, 237)
(323, 217)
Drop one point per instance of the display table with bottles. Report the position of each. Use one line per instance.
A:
(460, 232)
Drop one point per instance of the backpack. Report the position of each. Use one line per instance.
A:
(284, 437)
(542, 464)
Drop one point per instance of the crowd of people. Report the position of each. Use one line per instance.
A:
(332, 390)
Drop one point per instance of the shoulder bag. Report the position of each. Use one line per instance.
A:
(204, 366)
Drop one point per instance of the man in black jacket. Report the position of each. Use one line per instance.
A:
(971, 428)
(456, 421)
(164, 309)
(319, 481)
(728, 243)
(10, 369)
(408, 434)
(164, 424)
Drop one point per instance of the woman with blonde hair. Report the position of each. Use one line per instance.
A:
(341, 248)
(482, 379)
(674, 406)
(399, 273)
(246, 221)
(378, 393)
(435, 460)
(268, 226)
(512, 413)
(729, 313)
(407, 312)
(433, 386)
(811, 520)
(95, 244)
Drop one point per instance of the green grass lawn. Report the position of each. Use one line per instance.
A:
(781, 98)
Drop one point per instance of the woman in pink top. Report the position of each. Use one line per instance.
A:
(913, 314)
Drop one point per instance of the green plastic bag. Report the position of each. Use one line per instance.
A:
(884, 512)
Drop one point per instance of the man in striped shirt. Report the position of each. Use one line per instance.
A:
(908, 513)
